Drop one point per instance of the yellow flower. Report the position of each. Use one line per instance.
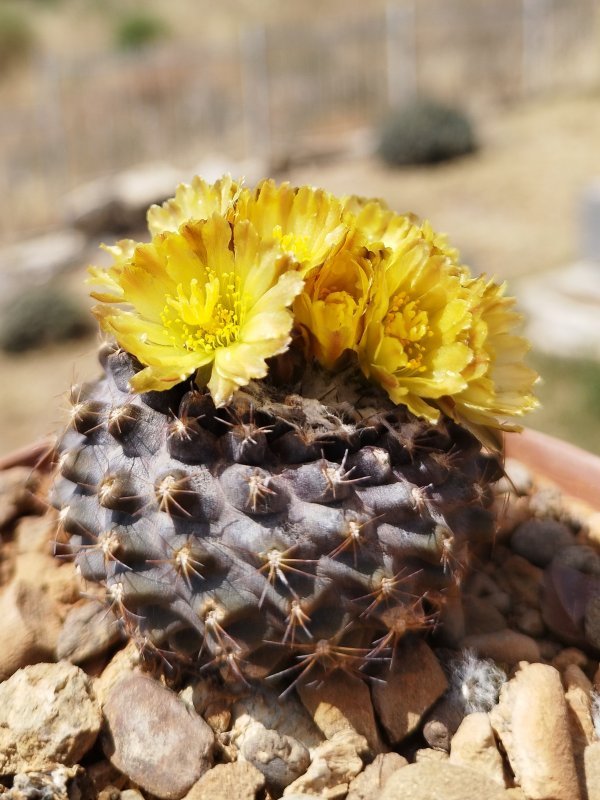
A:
(198, 200)
(108, 278)
(332, 306)
(499, 384)
(305, 223)
(460, 356)
(378, 223)
(211, 297)
(438, 339)
(413, 342)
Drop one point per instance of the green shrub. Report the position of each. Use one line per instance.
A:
(139, 30)
(425, 132)
(41, 316)
(16, 37)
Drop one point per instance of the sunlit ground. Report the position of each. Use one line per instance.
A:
(512, 209)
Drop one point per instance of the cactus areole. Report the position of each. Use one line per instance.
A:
(288, 457)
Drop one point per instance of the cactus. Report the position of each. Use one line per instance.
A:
(425, 132)
(259, 480)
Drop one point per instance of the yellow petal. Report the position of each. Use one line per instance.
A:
(196, 201)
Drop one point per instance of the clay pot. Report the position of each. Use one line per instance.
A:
(573, 470)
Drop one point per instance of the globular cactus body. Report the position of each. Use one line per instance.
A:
(241, 535)
(281, 470)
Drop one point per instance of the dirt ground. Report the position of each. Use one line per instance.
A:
(512, 209)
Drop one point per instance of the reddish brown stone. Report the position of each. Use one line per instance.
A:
(154, 738)
(410, 689)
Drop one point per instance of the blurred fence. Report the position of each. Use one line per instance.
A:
(276, 90)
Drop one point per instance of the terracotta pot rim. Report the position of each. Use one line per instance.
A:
(574, 471)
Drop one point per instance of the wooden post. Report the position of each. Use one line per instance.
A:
(534, 63)
(50, 115)
(401, 52)
(255, 91)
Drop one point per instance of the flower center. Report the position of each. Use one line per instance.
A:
(408, 324)
(205, 317)
(294, 244)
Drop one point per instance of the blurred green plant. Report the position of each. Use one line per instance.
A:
(570, 399)
(17, 37)
(138, 30)
(425, 132)
(40, 316)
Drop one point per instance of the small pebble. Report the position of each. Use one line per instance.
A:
(547, 502)
(440, 781)
(442, 723)
(474, 746)
(17, 494)
(414, 684)
(430, 754)
(532, 722)
(482, 616)
(480, 584)
(529, 621)
(35, 534)
(568, 656)
(89, 630)
(103, 774)
(123, 663)
(507, 646)
(563, 602)
(285, 715)
(549, 649)
(281, 759)
(29, 627)
(578, 694)
(236, 781)
(131, 794)
(57, 784)
(374, 777)
(538, 540)
(48, 716)
(593, 528)
(335, 763)
(580, 557)
(502, 601)
(110, 793)
(591, 762)
(517, 478)
(342, 702)
(296, 796)
(59, 581)
(522, 579)
(591, 621)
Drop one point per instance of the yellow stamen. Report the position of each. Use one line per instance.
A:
(408, 324)
(205, 318)
(294, 245)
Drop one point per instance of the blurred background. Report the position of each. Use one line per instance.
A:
(480, 115)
